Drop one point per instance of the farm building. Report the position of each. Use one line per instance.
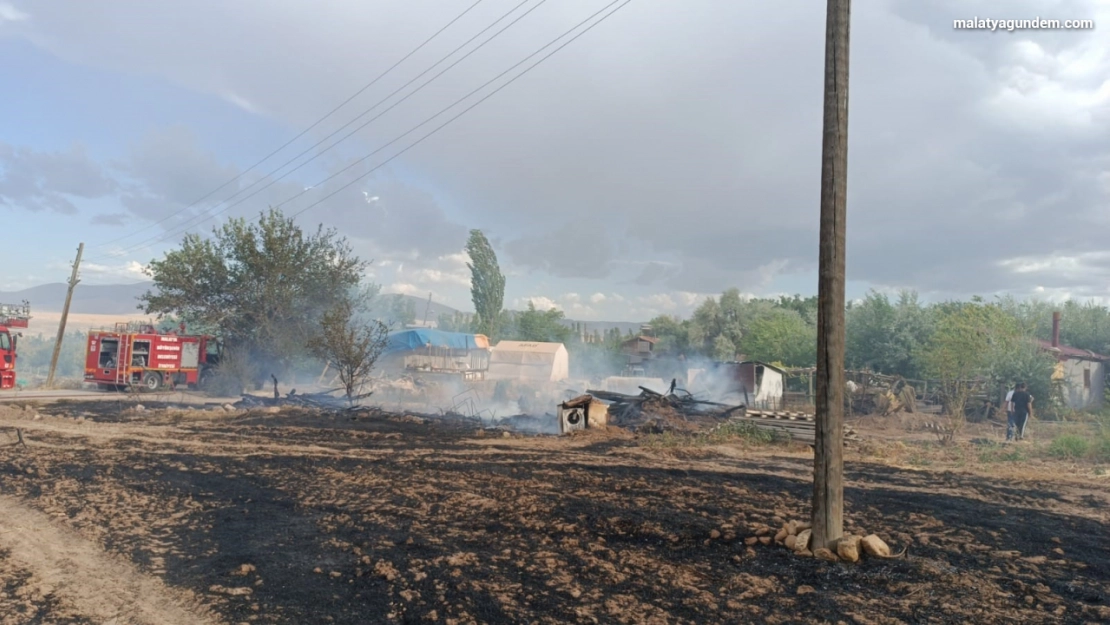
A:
(425, 349)
(521, 360)
(752, 383)
(1081, 372)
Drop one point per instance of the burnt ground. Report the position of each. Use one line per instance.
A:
(305, 518)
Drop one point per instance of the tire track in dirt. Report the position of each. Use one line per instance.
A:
(85, 579)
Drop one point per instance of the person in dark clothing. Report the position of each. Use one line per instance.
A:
(1022, 403)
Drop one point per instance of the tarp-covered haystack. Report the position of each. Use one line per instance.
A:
(425, 349)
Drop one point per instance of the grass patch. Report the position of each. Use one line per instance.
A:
(1013, 454)
(725, 433)
(1069, 447)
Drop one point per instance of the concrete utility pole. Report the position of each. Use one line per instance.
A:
(65, 314)
(828, 474)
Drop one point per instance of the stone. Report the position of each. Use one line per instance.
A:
(826, 555)
(765, 540)
(751, 540)
(790, 541)
(874, 546)
(714, 534)
(805, 590)
(801, 542)
(781, 536)
(805, 553)
(848, 548)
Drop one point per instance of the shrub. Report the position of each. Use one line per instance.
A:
(1069, 446)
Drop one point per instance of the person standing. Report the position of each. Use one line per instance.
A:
(1022, 404)
(1009, 406)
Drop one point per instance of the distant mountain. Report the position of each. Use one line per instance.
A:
(90, 299)
(122, 299)
(420, 305)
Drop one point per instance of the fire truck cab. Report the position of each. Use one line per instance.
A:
(140, 356)
(11, 316)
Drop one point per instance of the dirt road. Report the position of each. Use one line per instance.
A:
(80, 579)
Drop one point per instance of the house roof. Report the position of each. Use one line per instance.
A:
(527, 346)
(1071, 352)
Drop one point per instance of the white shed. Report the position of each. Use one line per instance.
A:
(522, 360)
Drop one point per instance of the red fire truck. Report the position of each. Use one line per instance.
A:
(11, 316)
(140, 356)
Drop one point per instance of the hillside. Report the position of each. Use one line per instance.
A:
(88, 299)
(121, 300)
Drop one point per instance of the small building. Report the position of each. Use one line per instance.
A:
(752, 383)
(639, 349)
(525, 360)
(1081, 372)
(428, 350)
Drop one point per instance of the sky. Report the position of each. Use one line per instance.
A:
(670, 152)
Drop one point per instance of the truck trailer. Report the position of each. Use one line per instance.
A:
(143, 357)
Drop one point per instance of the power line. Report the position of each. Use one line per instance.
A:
(310, 128)
(469, 108)
(272, 181)
(435, 130)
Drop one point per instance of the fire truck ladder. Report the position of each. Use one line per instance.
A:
(15, 315)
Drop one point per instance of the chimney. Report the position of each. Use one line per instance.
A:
(1056, 329)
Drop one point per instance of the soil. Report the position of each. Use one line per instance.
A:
(195, 516)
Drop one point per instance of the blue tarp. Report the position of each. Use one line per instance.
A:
(416, 338)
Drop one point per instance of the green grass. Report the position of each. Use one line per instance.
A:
(1069, 447)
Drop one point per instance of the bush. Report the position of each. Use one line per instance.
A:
(234, 373)
(1069, 446)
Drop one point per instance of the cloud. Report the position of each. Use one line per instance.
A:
(38, 180)
(129, 271)
(967, 148)
(109, 219)
(9, 13)
(566, 252)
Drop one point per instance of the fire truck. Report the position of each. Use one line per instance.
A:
(11, 316)
(138, 355)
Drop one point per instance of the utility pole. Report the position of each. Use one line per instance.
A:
(828, 461)
(65, 314)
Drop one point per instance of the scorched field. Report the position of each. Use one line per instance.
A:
(208, 516)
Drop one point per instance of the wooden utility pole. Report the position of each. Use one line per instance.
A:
(65, 314)
(828, 464)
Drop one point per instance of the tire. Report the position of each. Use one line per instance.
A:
(152, 381)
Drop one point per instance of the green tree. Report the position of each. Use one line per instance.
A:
(673, 334)
(542, 326)
(885, 337)
(723, 348)
(781, 336)
(970, 343)
(348, 344)
(487, 284)
(455, 322)
(266, 285)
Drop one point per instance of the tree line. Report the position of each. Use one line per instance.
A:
(284, 300)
